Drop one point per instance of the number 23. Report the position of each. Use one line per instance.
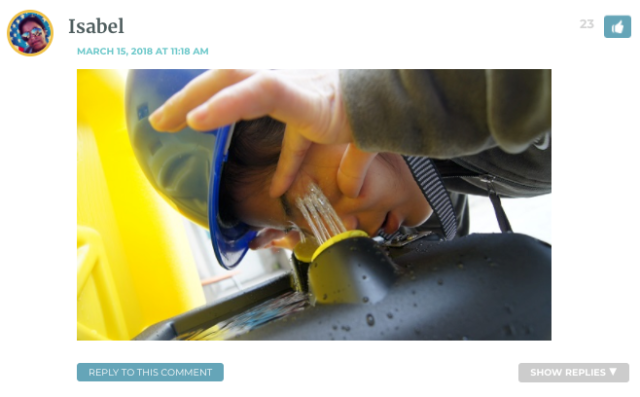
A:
(586, 23)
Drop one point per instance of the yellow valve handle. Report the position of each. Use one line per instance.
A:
(338, 238)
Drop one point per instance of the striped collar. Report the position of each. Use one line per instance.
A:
(426, 176)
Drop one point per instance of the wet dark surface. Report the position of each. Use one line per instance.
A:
(480, 287)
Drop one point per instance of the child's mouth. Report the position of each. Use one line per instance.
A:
(384, 223)
(390, 224)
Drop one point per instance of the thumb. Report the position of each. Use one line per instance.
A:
(353, 169)
(620, 23)
(294, 150)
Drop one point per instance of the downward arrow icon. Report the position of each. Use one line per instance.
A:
(613, 370)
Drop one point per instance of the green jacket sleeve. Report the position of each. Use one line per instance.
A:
(446, 114)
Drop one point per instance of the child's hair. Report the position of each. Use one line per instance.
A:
(253, 157)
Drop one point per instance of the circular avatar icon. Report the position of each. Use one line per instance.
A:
(30, 33)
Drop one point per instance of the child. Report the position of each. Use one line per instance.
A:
(389, 198)
(364, 138)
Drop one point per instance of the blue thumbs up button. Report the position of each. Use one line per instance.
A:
(617, 26)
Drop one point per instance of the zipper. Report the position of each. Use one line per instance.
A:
(486, 177)
(501, 216)
(488, 180)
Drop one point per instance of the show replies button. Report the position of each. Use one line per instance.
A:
(150, 372)
(577, 372)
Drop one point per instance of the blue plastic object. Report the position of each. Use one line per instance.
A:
(184, 167)
(230, 244)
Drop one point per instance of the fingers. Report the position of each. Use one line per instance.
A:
(289, 242)
(172, 116)
(266, 94)
(294, 150)
(275, 238)
(265, 237)
(353, 170)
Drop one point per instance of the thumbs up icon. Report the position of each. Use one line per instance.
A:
(618, 28)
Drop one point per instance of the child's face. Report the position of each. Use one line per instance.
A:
(390, 197)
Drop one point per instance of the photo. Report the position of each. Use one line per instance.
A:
(30, 33)
(348, 204)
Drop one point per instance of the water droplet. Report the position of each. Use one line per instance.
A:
(465, 338)
(413, 292)
(370, 320)
(335, 327)
(415, 305)
(460, 266)
(346, 328)
(390, 315)
(440, 282)
(358, 265)
(508, 309)
(324, 297)
(365, 299)
(509, 330)
(364, 277)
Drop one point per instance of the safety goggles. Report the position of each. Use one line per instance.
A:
(35, 31)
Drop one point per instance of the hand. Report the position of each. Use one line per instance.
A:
(268, 238)
(308, 102)
(619, 27)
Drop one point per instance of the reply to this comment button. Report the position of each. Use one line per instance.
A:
(150, 372)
